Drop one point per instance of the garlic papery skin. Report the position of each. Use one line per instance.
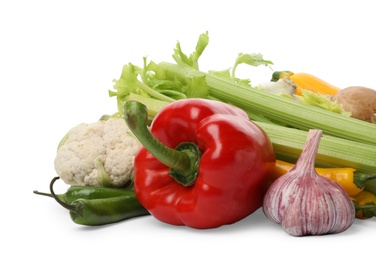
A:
(305, 203)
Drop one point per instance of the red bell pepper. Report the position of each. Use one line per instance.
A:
(203, 163)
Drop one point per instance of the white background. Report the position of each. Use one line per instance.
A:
(57, 62)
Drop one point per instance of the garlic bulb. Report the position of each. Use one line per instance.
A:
(305, 203)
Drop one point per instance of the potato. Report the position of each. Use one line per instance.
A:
(360, 101)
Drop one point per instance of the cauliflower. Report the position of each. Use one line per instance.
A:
(97, 154)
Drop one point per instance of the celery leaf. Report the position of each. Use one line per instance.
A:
(319, 100)
(253, 59)
(197, 88)
(181, 58)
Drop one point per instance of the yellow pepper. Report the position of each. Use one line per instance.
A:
(365, 204)
(308, 82)
(351, 180)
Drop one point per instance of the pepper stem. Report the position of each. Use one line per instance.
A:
(371, 186)
(183, 161)
(361, 178)
(367, 211)
(65, 205)
(43, 193)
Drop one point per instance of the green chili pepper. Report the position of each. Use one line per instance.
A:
(86, 192)
(91, 211)
(105, 211)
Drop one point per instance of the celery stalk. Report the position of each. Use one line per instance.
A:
(153, 105)
(333, 151)
(280, 109)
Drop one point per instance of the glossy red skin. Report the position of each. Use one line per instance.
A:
(236, 162)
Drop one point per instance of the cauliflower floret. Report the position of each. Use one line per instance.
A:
(97, 154)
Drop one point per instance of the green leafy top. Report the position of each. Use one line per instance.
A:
(253, 59)
(159, 86)
(192, 61)
(322, 101)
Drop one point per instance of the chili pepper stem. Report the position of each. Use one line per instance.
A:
(368, 210)
(371, 186)
(360, 178)
(42, 193)
(183, 161)
(65, 205)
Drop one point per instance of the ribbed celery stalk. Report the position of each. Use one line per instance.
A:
(281, 109)
(333, 151)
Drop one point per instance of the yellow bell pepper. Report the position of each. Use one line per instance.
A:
(351, 180)
(365, 204)
(308, 82)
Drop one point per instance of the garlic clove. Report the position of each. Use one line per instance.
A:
(305, 203)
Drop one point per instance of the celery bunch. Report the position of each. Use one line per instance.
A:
(346, 142)
(157, 84)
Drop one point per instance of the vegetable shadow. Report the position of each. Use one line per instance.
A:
(256, 221)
